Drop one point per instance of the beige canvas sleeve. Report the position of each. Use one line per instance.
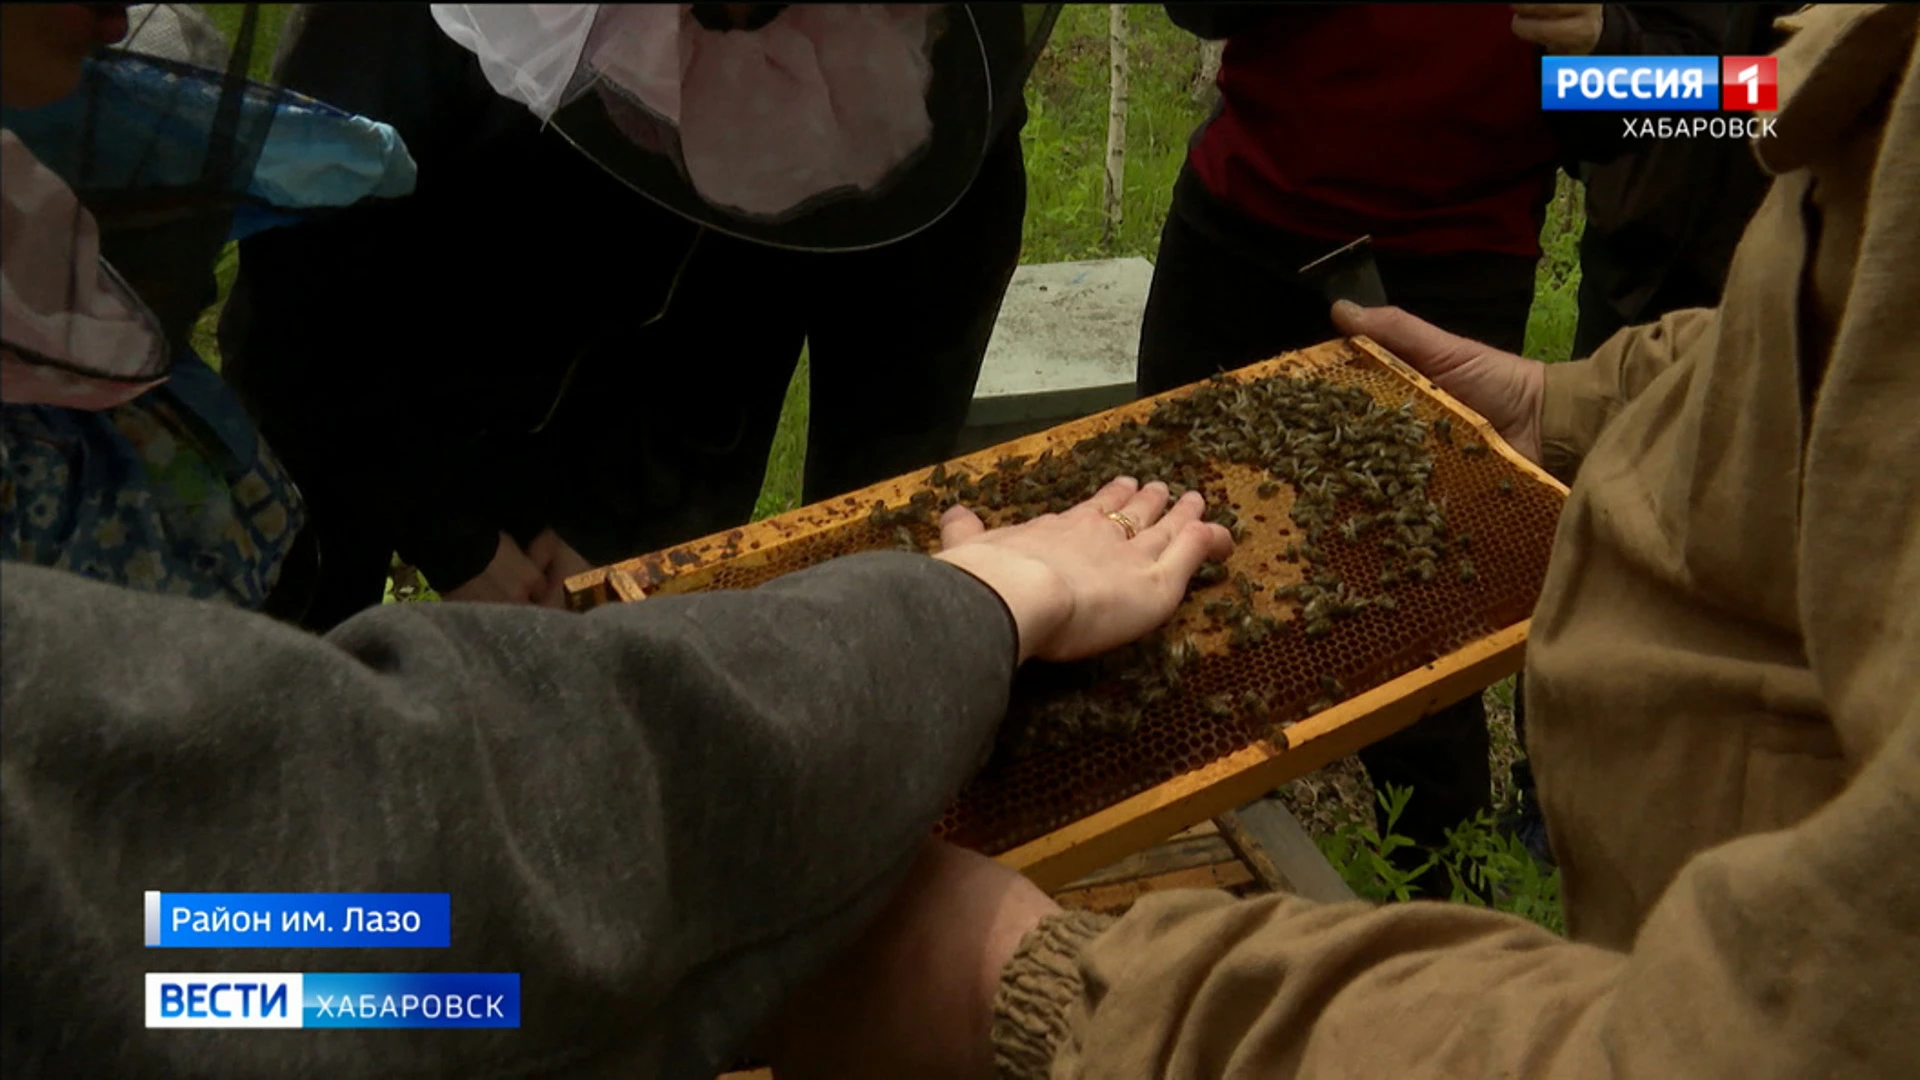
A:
(1582, 396)
(1782, 954)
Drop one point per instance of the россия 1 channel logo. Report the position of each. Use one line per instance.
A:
(1660, 83)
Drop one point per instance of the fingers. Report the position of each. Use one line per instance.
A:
(1195, 543)
(959, 525)
(1418, 342)
(1146, 506)
(519, 578)
(1185, 510)
(1112, 497)
(532, 585)
(543, 547)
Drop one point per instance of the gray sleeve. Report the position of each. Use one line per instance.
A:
(662, 815)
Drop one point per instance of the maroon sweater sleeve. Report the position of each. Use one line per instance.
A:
(1417, 124)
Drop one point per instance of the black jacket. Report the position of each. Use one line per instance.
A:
(1664, 218)
(407, 350)
(409, 344)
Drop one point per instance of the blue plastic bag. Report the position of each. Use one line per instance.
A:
(143, 124)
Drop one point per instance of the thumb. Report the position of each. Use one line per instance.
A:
(959, 525)
(1428, 348)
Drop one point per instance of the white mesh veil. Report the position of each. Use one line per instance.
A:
(818, 127)
(529, 53)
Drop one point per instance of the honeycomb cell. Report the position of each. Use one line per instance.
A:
(1496, 515)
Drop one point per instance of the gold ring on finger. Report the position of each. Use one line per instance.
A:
(1124, 522)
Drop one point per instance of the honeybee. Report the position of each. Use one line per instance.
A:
(1255, 703)
(1248, 633)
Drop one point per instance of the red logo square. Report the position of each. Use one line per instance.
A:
(1749, 84)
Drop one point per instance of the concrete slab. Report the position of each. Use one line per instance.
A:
(1064, 345)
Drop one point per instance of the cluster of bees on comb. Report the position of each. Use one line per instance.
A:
(1359, 471)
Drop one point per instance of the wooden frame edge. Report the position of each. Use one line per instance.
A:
(1140, 821)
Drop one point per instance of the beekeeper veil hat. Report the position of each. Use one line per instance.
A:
(119, 199)
(814, 127)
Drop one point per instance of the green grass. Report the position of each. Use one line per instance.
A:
(780, 492)
(1556, 288)
(1066, 134)
(271, 20)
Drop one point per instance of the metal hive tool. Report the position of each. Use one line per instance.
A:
(1238, 693)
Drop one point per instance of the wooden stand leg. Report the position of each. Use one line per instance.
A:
(1270, 841)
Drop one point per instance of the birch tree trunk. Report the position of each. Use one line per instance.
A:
(1116, 120)
(1203, 90)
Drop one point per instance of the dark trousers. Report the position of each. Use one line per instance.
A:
(1224, 296)
(664, 433)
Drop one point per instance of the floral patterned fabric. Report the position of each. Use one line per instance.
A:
(172, 492)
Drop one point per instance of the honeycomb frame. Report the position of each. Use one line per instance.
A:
(1059, 813)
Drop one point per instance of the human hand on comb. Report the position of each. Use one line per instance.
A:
(1504, 388)
(1096, 577)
